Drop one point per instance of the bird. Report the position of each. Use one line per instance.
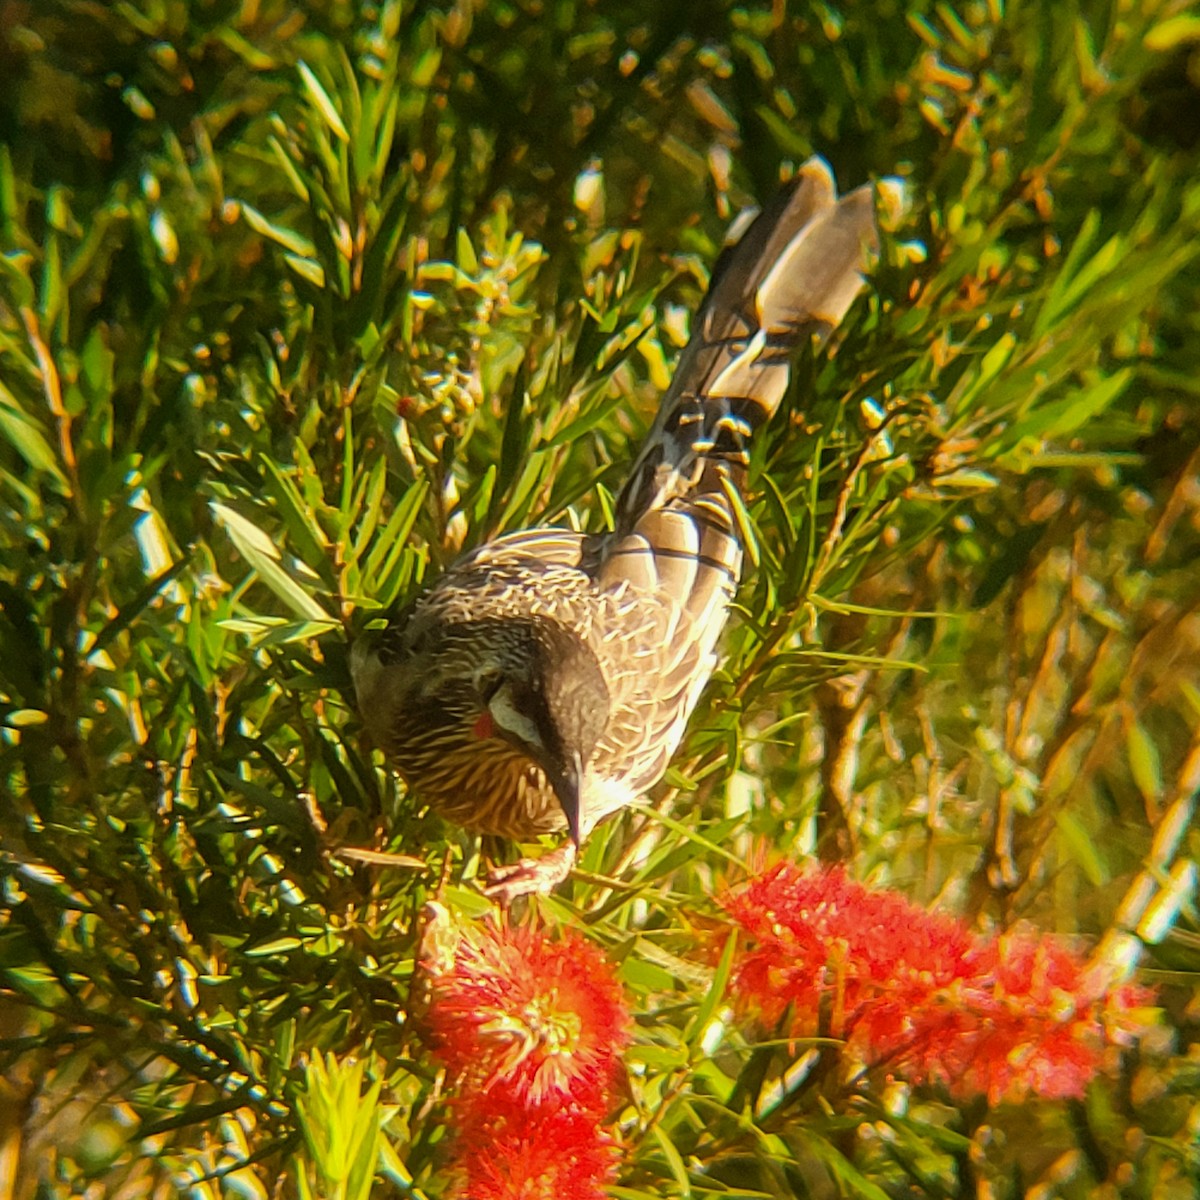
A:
(545, 680)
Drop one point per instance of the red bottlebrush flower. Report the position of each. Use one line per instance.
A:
(920, 993)
(528, 1019)
(530, 1028)
(824, 942)
(551, 1154)
(1041, 1023)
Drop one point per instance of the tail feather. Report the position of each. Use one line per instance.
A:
(792, 276)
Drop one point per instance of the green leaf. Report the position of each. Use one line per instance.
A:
(698, 1027)
(9, 212)
(24, 718)
(583, 422)
(136, 605)
(675, 1163)
(298, 186)
(260, 552)
(1174, 31)
(309, 538)
(391, 543)
(851, 1181)
(289, 239)
(306, 268)
(1082, 847)
(368, 509)
(26, 438)
(284, 945)
(465, 252)
(1064, 417)
(1144, 763)
(324, 105)
(52, 294)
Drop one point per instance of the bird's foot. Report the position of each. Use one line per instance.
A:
(531, 875)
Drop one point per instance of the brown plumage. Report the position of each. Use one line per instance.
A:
(546, 679)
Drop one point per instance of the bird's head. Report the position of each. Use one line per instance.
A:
(441, 691)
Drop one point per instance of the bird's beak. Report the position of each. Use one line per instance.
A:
(567, 781)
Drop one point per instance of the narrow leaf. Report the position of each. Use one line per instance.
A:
(260, 552)
(324, 105)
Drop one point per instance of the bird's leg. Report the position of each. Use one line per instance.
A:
(531, 875)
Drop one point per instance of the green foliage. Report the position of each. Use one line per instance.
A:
(342, 1127)
(298, 301)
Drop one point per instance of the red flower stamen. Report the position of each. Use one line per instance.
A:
(538, 1019)
(530, 1029)
(922, 995)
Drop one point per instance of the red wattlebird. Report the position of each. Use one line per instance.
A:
(545, 680)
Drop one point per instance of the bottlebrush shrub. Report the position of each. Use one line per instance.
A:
(921, 995)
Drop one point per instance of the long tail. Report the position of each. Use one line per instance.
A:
(792, 276)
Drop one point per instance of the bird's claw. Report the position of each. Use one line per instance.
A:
(530, 876)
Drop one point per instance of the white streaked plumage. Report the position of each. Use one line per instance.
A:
(547, 678)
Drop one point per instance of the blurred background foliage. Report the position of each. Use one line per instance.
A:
(297, 300)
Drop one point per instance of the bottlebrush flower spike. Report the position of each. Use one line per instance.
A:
(1044, 1024)
(529, 1018)
(920, 994)
(530, 1028)
(822, 937)
(560, 1154)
